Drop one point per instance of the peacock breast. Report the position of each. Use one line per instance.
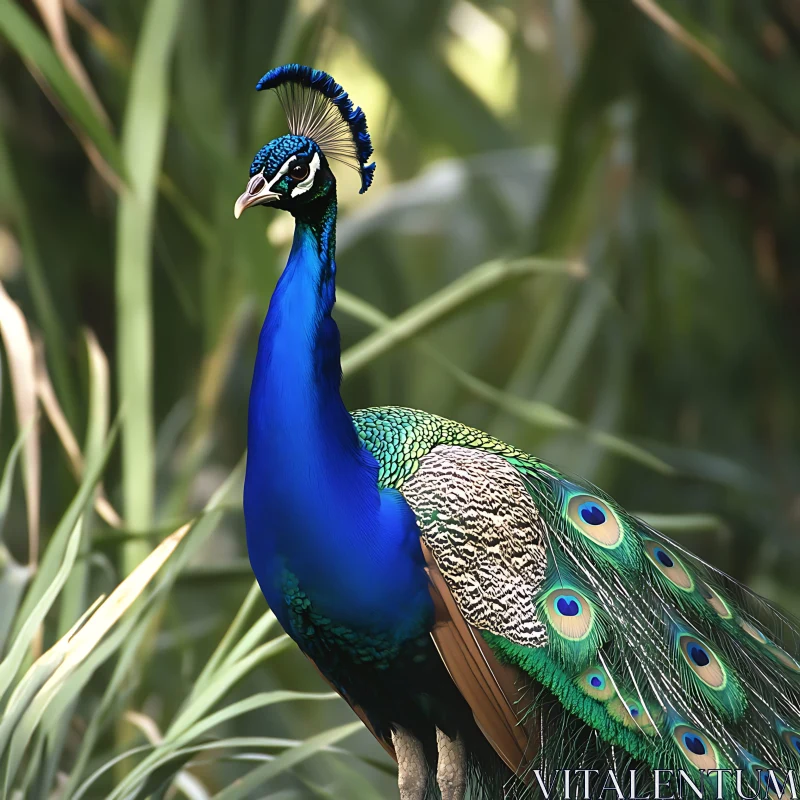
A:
(338, 645)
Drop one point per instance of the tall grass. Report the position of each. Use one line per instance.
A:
(582, 238)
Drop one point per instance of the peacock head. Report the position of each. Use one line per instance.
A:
(287, 173)
(292, 171)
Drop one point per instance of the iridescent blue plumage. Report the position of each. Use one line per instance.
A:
(271, 156)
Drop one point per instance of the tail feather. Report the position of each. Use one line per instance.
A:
(658, 659)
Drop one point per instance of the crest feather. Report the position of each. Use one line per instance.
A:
(320, 109)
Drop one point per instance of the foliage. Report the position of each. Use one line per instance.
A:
(582, 238)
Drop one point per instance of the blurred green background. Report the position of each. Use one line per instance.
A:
(583, 237)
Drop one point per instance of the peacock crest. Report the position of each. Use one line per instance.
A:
(319, 109)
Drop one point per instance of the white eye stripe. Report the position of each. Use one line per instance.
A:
(282, 171)
(306, 184)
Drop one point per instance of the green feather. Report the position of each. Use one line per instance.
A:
(593, 522)
(537, 663)
(708, 673)
(574, 620)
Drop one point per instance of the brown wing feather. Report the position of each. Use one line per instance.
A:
(492, 690)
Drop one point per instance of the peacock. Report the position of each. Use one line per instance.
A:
(502, 629)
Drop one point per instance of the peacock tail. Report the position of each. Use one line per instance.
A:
(632, 653)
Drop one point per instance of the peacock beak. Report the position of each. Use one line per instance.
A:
(257, 193)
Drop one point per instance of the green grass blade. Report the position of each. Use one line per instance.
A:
(226, 648)
(261, 700)
(241, 789)
(531, 411)
(24, 693)
(178, 737)
(224, 681)
(81, 647)
(81, 791)
(29, 41)
(14, 578)
(73, 600)
(54, 555)
(143, 135)
(126, 664)
(470, 288)
(20, 353)
(32, 618)
(7, 482)
(48, 313)
(24, 705)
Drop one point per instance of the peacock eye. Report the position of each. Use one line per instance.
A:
(299, 172)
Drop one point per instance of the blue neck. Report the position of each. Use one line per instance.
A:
(312, 503)
(297, 417)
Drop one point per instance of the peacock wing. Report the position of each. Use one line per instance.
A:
(635, 652)
(484, 548)
(494, 691)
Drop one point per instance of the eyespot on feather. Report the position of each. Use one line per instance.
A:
(595, 520)
(669, 565)
(768, 779)
(696, 747)
(632, 714)
(702, 661)
(569, 613)
(792, 740)
(715, 600)
(595, 683)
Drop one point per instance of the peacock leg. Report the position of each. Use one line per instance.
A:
(451, 771)
(412, 769)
